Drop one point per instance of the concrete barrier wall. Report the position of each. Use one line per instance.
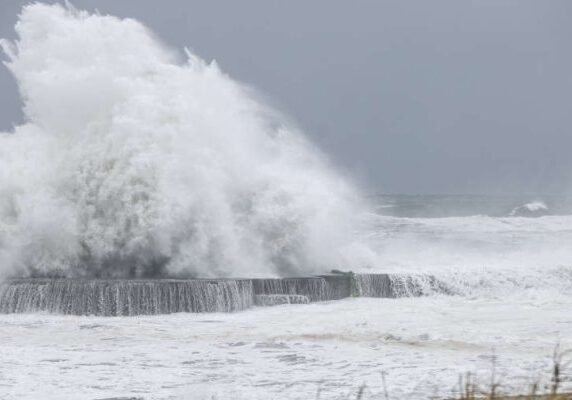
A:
(145, 297)
(124, 297)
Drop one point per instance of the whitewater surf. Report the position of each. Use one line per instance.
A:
(148, 163)
(147, 188)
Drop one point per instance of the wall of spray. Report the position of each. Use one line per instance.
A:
(137, 162)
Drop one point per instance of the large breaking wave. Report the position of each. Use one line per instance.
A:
(136, 162)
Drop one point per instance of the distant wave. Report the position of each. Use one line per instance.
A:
(533, 209)
(475, 252)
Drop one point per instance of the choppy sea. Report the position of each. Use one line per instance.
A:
(512, 271)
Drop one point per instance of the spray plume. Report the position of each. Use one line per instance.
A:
(133, 163)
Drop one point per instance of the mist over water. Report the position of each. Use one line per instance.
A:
(137, 162)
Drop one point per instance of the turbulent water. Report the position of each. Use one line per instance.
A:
(506, 303)
(475, 244)
(135, 161)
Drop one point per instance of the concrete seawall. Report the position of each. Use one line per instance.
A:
(165, 296)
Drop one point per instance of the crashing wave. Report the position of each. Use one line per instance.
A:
(533, 209)
(135, 163)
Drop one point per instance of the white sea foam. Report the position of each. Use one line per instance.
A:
(288, 351)
(135, 162)
(535, 208)
(476, 255)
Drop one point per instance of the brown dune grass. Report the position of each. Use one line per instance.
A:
(468, 389)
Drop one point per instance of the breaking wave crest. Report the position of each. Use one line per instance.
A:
(135, 163)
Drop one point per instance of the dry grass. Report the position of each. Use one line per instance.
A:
(468, 389)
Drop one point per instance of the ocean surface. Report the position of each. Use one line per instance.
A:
(481, 244)
(137, 160)
(512, 277)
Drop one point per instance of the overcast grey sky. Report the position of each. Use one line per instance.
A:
(408, 96)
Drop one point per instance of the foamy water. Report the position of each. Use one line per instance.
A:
(513, 309)
(138, 162)
(479, 255)
(286, 352)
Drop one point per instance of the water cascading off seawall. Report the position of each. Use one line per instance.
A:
(268, 300)
(398, 285)
(124, 297)
(166, 296)
(319, 288)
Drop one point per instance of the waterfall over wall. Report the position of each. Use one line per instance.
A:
(268, 300)
(164, 296)
(124, 297)
(398, 285)
(320, 288)
(374, 285)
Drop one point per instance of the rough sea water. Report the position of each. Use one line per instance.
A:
(137, 163)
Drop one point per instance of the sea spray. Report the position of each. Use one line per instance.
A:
(136, 162)
(133, 163)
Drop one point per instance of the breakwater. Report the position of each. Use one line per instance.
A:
(165, 296)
